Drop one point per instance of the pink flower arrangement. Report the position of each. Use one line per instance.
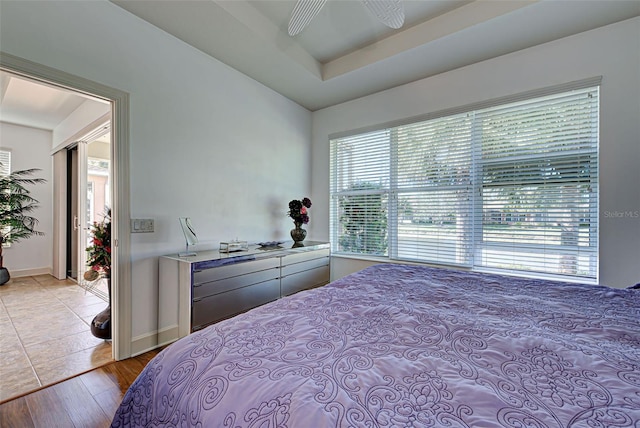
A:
(298, 210)
(99, 253)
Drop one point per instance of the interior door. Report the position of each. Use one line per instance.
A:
(72, 212)
(77, 208)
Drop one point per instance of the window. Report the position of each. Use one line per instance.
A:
(5, 170)
(512, 187)
(98, 197)
(5, 163)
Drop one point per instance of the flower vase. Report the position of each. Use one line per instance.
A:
(298, 234)
(101, 324)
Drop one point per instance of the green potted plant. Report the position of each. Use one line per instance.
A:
(16, 203)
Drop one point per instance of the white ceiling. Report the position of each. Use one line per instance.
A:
(27, 103)
(346, 53)
(31, 103)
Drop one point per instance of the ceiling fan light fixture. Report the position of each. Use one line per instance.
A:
(303, 12)
(389, 12)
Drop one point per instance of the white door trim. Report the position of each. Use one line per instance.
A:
(59, 268)
(121, 257)
(82, 208)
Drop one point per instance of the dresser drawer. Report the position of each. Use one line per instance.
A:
(222, 272)
(301, 266)
(214, 308)
(302, 280)
(227, 284)
(292, 259)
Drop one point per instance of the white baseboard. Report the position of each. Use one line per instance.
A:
(168, 335)
(143, 343)
(149, 341)
(19, 273)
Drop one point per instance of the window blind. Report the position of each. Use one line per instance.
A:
(5, 170)
(509, 187)
(433, 190)
(5, 163)
(539, 171)
(360, 182)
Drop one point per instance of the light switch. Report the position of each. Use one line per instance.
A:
(141, 225)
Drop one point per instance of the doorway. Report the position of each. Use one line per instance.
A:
(88, 199)
(121, 264)
(47, 323)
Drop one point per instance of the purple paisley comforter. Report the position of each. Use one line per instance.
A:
(406, 346)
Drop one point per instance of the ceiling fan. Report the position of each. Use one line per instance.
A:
(389, 12)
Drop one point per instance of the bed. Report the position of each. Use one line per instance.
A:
(406, 346)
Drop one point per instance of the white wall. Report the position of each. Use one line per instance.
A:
(612, 52)
(206, 141)
(30, 149)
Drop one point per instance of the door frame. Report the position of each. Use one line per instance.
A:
(120, 191)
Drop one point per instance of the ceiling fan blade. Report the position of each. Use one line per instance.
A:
(389, 12)
(303, 12)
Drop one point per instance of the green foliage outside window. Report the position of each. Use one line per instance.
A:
(363, 220)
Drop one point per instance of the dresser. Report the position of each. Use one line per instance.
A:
(199, 290)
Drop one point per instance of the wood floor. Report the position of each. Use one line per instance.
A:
(85, 401)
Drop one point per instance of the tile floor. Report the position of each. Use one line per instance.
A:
(45, 335)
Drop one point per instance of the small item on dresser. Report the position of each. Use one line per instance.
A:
(189, 236)
(270, 244)
(232, 246)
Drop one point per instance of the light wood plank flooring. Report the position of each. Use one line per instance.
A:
(45, 334)
(85, 401)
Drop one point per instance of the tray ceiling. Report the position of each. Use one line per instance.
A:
(346, 53)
